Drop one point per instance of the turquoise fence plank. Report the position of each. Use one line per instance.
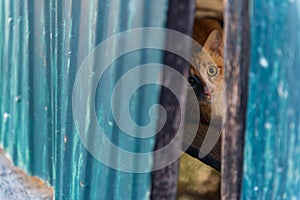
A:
(42, 45)
(14, 37)
(272, 151)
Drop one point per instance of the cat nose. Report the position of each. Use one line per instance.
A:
(206, 91)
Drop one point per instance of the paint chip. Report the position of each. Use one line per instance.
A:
(5, 117)
(268, 125)
(263, 62)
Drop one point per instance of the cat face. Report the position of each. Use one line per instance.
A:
(206, 76)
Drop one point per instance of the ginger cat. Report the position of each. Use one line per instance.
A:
(207, 81)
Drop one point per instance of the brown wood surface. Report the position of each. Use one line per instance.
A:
(164, 181)
(236, 73)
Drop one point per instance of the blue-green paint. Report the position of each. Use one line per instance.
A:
(42, 44)
(272, 150)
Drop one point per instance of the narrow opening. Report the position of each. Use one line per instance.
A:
(199, 177)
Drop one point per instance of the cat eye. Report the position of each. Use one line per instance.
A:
(212, 71)
(192, 81)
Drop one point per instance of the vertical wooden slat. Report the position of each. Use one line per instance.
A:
(272, 150)
(164, 181)
(236, 73)
(41, 48)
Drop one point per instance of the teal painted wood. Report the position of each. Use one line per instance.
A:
(272, 151)
(42, 44)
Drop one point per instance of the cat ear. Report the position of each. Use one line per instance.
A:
(214, 43)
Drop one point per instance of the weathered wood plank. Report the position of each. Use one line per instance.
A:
(42, 46)
(272, 151)
(236, 73)
(164, 181)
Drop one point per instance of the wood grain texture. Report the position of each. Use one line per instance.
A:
(236, 73)
(164, 181)
(42, 46)
(272, 150)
